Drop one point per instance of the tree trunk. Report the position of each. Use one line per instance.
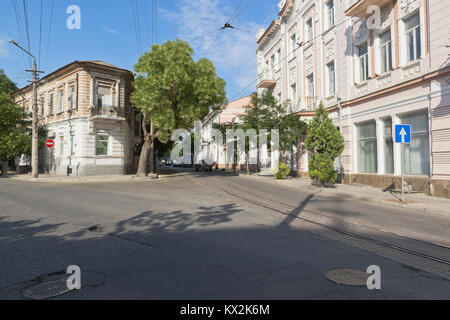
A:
(4, 167)
(246, 160)
(142, 169)
(148, 149)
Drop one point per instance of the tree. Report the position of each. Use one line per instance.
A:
(325, 143)
(172, 91)
(14, 136)
(265, 112)
(6, 85)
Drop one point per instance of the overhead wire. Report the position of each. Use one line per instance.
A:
(50, 24)
(40, 36)
(25, 11)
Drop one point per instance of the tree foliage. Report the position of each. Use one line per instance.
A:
(6, 85)
(174, 90)
(325, 143)
(14, 136)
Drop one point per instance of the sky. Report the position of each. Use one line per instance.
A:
(108, 33)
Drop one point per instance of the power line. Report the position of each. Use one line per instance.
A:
(19, 27)
(49, 32)
(40, 36)
(135, 27)
(27, 27)
(248, 3)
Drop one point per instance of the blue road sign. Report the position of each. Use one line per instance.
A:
(402, 133)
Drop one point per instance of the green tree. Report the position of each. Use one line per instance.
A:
(172, 91)
(265, 112)
(14, 136)
(6, 85)
(325, 143)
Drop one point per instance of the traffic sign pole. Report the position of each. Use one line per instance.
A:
(50, 144)
(402, 136)
(401, 166)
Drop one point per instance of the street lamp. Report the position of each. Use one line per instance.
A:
(34, 144)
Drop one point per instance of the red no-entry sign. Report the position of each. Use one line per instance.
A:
(50, 143)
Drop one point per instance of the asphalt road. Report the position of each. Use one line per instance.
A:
(183, 238)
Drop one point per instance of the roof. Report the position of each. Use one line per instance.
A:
(97, 63)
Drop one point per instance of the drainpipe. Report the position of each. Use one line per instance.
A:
(340, 130)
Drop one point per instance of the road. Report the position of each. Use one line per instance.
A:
(199, 236)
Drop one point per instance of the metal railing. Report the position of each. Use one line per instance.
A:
(107, 111)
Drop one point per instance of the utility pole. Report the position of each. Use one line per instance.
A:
(34, 125)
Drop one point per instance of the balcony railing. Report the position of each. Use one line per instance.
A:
(107, 111)
(267, 79)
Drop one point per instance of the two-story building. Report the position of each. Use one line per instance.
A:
(370, 78)
(85, 108)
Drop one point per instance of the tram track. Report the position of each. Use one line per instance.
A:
(434, 253)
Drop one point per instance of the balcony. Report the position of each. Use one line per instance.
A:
(358, 8)
(267, 80)
(107, 112)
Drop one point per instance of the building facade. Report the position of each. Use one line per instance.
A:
(229, 113)
(85, 108)
(370, 77)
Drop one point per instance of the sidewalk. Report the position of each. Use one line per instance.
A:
(44, 178)
(414, 201)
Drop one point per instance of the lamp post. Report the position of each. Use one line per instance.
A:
(34, 144)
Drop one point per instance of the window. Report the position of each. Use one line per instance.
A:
(388, 147)
(309, 30)
(61, 145)
(363, 62)
(330, 13)
(50, 104)
(331, 79)
(386, 51)
(293, 94)
(310, 91)
(367, 148)
(41, 105)
(293, 43)
(278, 59)
(412, 26)
(416, 155)
(61, 100)
(272, 62)
(101, 145)
(104, 96)
(72, 97)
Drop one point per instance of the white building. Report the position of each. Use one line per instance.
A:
(369, 79)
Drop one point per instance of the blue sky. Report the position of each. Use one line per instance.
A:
(107, 33)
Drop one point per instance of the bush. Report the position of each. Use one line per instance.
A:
(324, 143)
(283, 171)
(321, 169)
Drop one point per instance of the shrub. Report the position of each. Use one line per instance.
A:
(283, 171)
(321, 169)
(324, 143)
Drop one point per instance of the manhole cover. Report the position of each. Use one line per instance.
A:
(347, 276)
(46, 290)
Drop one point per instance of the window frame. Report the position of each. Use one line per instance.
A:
(330, 14)
(331, 79)
(108, 138)
(362, 63)
(386, 64)
(417, 38)
(61, 100)
(366, 139)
